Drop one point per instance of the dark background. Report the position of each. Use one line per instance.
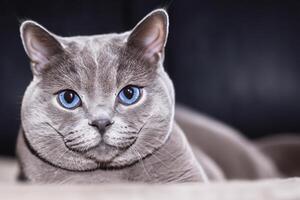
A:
(237, 61)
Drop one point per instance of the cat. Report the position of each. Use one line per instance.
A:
(100, 109)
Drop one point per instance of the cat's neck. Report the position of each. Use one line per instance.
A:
(173, 162)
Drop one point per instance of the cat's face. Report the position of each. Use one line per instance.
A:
(97, 101)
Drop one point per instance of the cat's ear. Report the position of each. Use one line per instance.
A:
(40, 44)
(150, 35)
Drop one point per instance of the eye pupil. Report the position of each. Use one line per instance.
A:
(128, 92)
(69, 96)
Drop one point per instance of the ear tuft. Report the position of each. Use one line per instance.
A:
(150, 35)
(40, 44)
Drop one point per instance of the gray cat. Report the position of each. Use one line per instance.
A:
(101, 109)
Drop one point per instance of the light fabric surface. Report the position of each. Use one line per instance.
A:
(288, 189)
(8, 171)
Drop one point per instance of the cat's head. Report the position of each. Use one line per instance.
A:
(97, 101)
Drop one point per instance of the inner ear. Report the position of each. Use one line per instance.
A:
(150, 35)
(39, 44)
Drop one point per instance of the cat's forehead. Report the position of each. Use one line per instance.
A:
(95, 48)
(95, 60)
(94, 43)
(94, 63)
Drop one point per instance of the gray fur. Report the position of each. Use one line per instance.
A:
(235, 156)
(143, 144)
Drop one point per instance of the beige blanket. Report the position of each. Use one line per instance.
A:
(285, 189)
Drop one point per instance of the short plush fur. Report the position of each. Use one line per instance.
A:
(143, 142)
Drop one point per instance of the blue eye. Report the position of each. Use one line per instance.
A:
(129, 95)
(68, 99)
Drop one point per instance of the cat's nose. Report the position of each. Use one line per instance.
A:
(101, 124)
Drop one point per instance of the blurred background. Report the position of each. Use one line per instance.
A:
(238, 61)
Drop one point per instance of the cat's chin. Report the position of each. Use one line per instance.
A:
(103, 154)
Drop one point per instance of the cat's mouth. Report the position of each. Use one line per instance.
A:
(102, 153)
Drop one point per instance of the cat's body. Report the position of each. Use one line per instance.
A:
(235, 156)
(101, 109)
